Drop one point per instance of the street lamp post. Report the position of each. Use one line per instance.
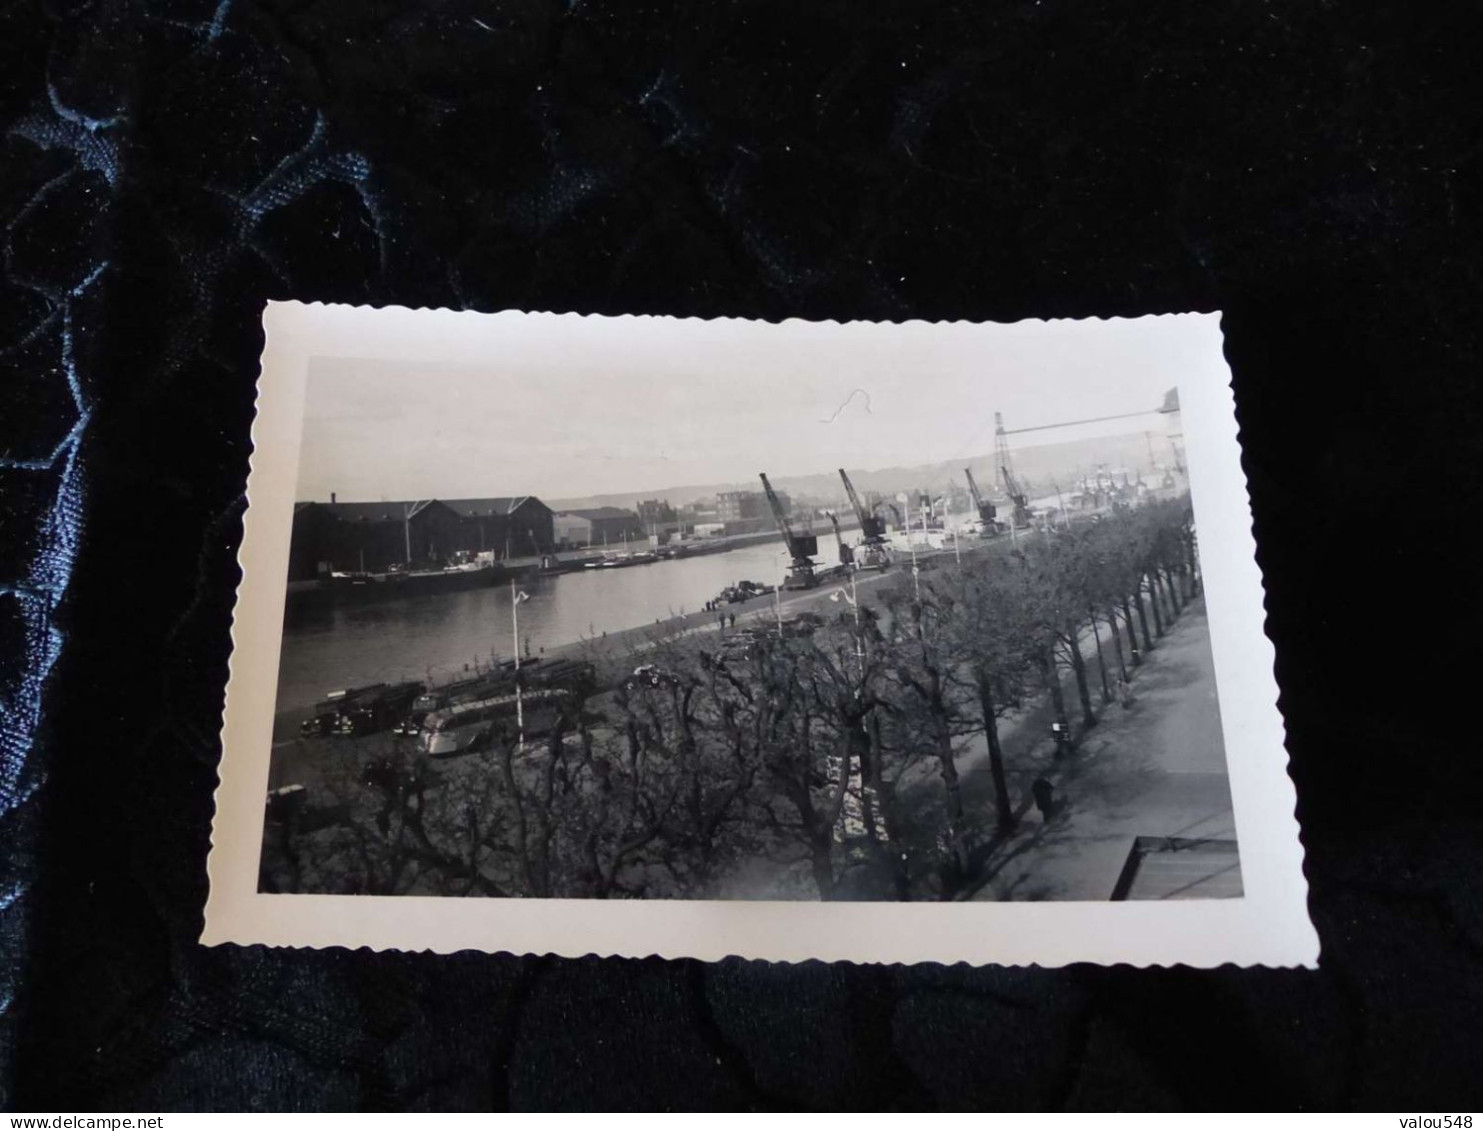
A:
(915, 582)
(853, 597)
(777, 597)
(515, 598)
(855, 773)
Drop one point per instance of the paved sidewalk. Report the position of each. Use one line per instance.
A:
(1156, 769)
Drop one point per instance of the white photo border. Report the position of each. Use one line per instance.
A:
(1268, 926)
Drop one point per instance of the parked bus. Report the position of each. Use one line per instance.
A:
(449, 695)
(573, 674)
(473, 726)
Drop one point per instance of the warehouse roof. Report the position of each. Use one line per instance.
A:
(473, 508)
(398, 510)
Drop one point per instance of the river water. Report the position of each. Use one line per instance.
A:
(440, 636)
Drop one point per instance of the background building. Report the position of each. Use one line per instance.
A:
(517, 526)
(370, 537)
(657, 514)
(701, 512)
(374, 537)
(747, 512)
(571, 530)
(598, 526)
(740, 506)
(660, 520)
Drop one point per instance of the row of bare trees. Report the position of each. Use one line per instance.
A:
(820, 765)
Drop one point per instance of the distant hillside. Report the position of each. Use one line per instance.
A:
(1039, 466)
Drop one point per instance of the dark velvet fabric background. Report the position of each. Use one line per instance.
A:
(1312, 169)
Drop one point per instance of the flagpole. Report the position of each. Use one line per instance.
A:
(777, 597)
(515, 628)
(859, 643)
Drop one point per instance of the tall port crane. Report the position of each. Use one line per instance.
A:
(1012, 486)
(873, 552)
(1001, 450)
(1017, 496)
(1005, 468)
(987, 512)
(846, 555)
(801, 547)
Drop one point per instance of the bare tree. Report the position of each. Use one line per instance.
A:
(834, 756)
(925, 658)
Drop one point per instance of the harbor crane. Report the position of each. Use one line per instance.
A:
(1005, 468)
(801, 547)
(987, 512)
(1017, 496)
(846, 554)
(873, 552)
(1012, 486)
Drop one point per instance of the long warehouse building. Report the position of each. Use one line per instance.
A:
(373, 537)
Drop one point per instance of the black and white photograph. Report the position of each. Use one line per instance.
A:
(656, 610)
(751, 615)
(747, 556)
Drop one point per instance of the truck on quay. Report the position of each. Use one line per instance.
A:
(741, 592)
(326, 716)
(377, 710)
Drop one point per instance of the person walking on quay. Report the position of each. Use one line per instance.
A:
(1045, 797)
(733, 620)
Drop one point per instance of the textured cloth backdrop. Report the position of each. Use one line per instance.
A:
(165, 167)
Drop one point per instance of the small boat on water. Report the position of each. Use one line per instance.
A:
(399, 580)
(619, 561)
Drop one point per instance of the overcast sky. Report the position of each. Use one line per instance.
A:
(560, 406)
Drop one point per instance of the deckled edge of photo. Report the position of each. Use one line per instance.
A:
(1268, 926)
